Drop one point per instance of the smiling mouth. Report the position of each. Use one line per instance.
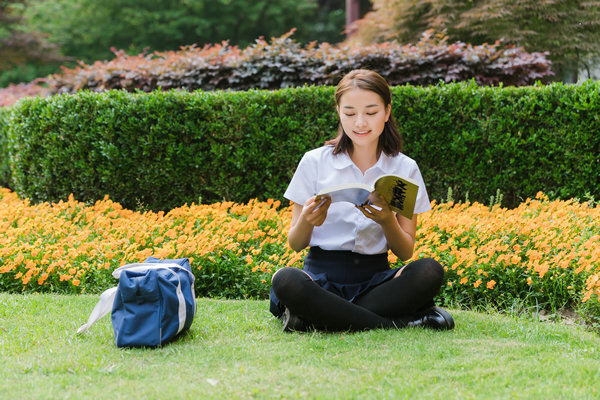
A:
(361, 132)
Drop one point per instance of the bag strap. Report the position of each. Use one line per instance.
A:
(181, 312)
(103, 307)
(146, 266)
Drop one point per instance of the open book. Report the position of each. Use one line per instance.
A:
(400, 193)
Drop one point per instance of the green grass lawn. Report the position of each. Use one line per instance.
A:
(235, 349)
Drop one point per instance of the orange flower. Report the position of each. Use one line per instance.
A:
(181, 239)
(541, 269)
(491, 284)
(42, 278)
(6, 268)
(19, 259)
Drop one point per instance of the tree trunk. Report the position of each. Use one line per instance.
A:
(352, 14)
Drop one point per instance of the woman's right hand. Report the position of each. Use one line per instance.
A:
(314, 210)
(304, 219)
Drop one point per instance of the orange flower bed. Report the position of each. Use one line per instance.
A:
(546, 250)
(543, 251)
(73, 247)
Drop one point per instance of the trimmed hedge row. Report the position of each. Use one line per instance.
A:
(477, 141)
(160, 150)
(5, 173)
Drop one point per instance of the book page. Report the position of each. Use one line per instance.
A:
(353, 193)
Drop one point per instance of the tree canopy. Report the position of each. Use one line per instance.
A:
(87, 29)
(568, 29)
(18, 46)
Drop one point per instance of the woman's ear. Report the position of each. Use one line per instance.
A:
(388, 112)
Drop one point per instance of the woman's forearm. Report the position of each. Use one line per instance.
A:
(400, 242)
(299, 235)
(400, 236)
(304, 220)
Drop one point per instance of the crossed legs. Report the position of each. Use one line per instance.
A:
(391, 304)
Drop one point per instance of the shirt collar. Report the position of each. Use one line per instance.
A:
(342, 160)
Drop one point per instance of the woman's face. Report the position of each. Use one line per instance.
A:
(363, 116)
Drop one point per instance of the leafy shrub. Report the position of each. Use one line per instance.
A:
(9, 95)
(164, 149)
(285, 63)
(161, 150)
(517, 140)
(5, 174)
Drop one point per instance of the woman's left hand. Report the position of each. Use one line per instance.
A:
(378, 210)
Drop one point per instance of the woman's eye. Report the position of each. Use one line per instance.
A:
(370, 114)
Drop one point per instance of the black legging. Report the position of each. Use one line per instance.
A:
(392, 304)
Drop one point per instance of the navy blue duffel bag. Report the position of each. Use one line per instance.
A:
(153, 303)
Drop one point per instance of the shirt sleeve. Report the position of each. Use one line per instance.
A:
(304, 182)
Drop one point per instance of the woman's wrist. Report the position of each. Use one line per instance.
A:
(299, 235)
(399, 241)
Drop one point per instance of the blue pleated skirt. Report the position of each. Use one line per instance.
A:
(344, 273)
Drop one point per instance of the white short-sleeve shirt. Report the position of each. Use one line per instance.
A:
(346, 228)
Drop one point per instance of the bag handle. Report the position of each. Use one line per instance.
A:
(103, 307)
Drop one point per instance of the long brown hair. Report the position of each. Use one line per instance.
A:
(390, 141)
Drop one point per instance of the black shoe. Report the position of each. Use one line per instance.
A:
(292, 323)
(434, 318)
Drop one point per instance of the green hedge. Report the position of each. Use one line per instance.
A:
(5, 173)
(160, 150)
(516, 140)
